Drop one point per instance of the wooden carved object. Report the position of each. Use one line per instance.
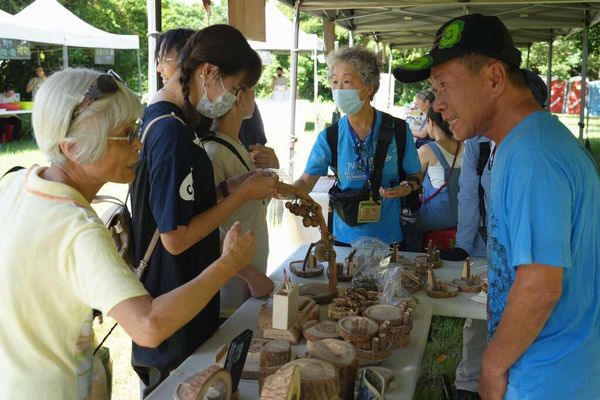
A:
(212, 383)
(308, 267)
(411, 281)
(395, 256)
(274, 354)
(282, 385)
(314, 331)
(433, 256)
(438, 289)
(468, 283)
(342, 355)
(285, 306)
(324, 250)
(353, 301)
(319, 379)
(307, 310)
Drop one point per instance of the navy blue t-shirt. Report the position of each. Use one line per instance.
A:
(174, 182)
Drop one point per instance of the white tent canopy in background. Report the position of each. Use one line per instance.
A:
(280, 33)
(47, 21)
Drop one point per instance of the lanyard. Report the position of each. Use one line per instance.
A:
(362, 150)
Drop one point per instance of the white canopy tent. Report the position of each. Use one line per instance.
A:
(47, 21)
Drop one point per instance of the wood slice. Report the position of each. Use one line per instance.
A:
(341, 355)
(275, 352)
(315, 331)
(384, 312)
(438, 294)
(366, 357)
(282, 386)
(296, 269)
(464, 286)
(319, 292)
(340, 311)
(265, 373)
(213, 382)
(345, 329)
(318, 379)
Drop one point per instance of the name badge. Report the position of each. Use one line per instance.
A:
(369, 211)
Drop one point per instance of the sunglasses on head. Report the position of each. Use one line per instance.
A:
(104, 85)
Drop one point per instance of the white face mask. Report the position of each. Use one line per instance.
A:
(219, 107)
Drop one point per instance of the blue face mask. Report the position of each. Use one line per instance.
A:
(219, 107)
(347, 100)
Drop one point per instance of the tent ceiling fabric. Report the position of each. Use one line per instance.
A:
(413, 23)
(47, 21)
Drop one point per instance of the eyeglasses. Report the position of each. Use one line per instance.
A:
(163, 61)
(130, 137)
(105, 84)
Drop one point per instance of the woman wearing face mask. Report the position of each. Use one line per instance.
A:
(174, 189)
(354, 78)
(229, 158)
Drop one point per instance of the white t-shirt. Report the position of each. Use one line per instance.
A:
(252, 214)
(436, 171)
(58, 262)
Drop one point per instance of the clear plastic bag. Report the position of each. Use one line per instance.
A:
(370, 252)
(391, 282)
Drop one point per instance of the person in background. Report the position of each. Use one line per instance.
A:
(168, 46)
(543, 217)
(174, 190)
(84, 123)
(423, 100)
(354, 79)
(36, 82)
(230, 158)
(279, 85)
(9, 120)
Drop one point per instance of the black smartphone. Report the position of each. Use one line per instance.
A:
(236, 357)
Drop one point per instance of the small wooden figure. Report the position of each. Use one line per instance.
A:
(308, 267)
(433, 256)
(285, 306)
(468, 283)
(395, 257)
(439, 289)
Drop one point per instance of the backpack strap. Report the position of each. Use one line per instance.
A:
(331, 134)
(442, 160)
(225, 143)
(484, 155)
(438, 154)
(386, 132)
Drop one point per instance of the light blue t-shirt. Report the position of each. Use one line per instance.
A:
(545, 208)
(351, 176)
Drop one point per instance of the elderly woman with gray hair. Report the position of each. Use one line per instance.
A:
(349, 147)
(59, 261)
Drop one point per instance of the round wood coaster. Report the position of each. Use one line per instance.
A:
(319, 292)
(365, 328)
(464, 286)
(438, 294)
(213, 383)
(296, 269)
(315, 331)
(384, 312)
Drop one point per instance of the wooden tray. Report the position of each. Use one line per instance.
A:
(438, 294)
(315, 331)
(345, 329)
(384, 312)
(296, 269)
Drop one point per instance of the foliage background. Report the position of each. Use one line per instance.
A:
(129, 17)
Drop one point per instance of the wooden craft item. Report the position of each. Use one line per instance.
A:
(468, 283)
(307, 310)
(285, 306)
(314, 331)
(319, 292)
(373, 356)
(438, 289)
(318, 379)
(351, 302)
(212, 383)
(385, 312)
(274, 354)
(324, 250)
(308, 267)
(342, 355)
(391, 383)
(357, 329)
(251, 366)
(282, 385)
(395, 256)
(433, 256)
(411, 281)
(343, 272)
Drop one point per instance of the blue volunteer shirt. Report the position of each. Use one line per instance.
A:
(545, 208)
(469, 220)
(351, 176)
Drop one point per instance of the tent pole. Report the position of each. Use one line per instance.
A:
(65, 57)
(390, 96)
(293, 88)
(350, 39)
(315, 88)
(528, 54)
(549, 77)
(139, 73)
(154, 25)
(584, 64)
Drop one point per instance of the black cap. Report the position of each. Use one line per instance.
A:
(473, 33)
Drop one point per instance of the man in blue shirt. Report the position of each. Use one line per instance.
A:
(544, 218)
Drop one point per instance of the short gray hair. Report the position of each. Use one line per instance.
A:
(363, 60)
(53, 109)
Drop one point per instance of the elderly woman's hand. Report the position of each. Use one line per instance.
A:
(238, 247)
(403, 189)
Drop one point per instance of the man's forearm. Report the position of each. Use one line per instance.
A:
(530, 303)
